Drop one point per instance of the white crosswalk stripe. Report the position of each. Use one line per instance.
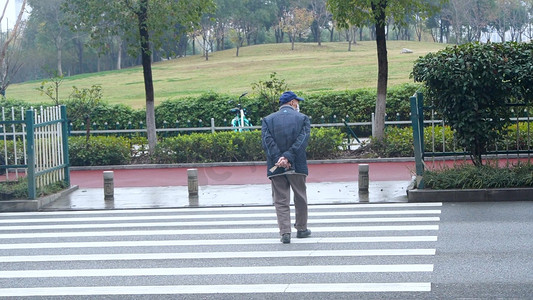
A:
(226, 250)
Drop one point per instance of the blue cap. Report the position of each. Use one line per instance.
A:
(288, 96)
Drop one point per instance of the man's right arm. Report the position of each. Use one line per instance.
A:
(269, 144)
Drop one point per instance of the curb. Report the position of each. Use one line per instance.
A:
(471, 195)
(237, 164)
(33, 205)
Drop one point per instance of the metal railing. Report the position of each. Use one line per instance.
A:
(418, 124)
(96, 129)
(35, 140)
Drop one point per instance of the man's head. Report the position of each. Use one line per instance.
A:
(290, 98)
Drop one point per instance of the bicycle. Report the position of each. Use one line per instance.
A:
(240, 121)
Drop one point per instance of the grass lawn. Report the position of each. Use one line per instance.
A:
(309, 68)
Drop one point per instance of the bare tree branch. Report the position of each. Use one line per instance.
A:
(10, 38)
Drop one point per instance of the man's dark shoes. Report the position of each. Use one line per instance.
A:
(286, 238)
(303, 233)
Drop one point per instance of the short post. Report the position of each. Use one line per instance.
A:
(192, 181)
(363, 178)
(109, 185)
(212, 125)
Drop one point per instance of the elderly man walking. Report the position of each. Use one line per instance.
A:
(285, 135)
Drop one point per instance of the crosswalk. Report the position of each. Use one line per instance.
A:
(355, 249)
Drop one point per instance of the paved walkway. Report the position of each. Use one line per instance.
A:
(168, 175)
(239, 185)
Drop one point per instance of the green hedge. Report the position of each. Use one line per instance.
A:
(226, 146)
(11, 152)
(101, 150)
(398, 142)
(238, 146)
(357, 104)
(486, 176)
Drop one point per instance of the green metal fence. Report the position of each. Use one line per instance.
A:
(35, 144)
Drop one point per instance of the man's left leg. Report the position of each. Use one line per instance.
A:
(299, 188)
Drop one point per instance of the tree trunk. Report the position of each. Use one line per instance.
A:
(147, 73)
(79, 45)
(119, 54)
(59, 47)
(383, 70)
(279, 35)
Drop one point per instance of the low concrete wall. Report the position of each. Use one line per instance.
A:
(508, 194)
(33, 205)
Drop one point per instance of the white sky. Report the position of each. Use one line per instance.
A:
(11, 13)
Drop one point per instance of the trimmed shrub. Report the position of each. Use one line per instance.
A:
(18, 189)
(238, 146)
(325, 143)
(10, 159)
(513, 140)
(472, 85)
(14, 189)
(100, 151)
(398, 142)
(486, 176)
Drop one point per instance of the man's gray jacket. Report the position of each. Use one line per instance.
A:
(286, 133)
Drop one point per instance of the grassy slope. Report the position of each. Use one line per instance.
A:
(309, 68)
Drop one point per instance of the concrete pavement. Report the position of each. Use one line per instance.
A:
(226, 195)
(230, 184)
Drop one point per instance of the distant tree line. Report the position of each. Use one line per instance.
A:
(49, 43)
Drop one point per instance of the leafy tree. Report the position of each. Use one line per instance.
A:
(237, 38)
(358, 12)
(238, 19)
(509, 16)
(51, 86)
(206, 30)
(439, 24)
(478, 18)
(270, 90)
(321, 17)
(296, 22)
(518, 19)
(52, 24)
(471, 85)
(85, 101)
(351, 34)
(248, 18)
(283, 6)
(223, 13)
(528, 32)
(151, 18)
(260, 15)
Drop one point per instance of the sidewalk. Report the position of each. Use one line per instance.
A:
(165, 186)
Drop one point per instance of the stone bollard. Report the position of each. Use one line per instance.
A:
(363, 178)
(192, 181)
(109, 185)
